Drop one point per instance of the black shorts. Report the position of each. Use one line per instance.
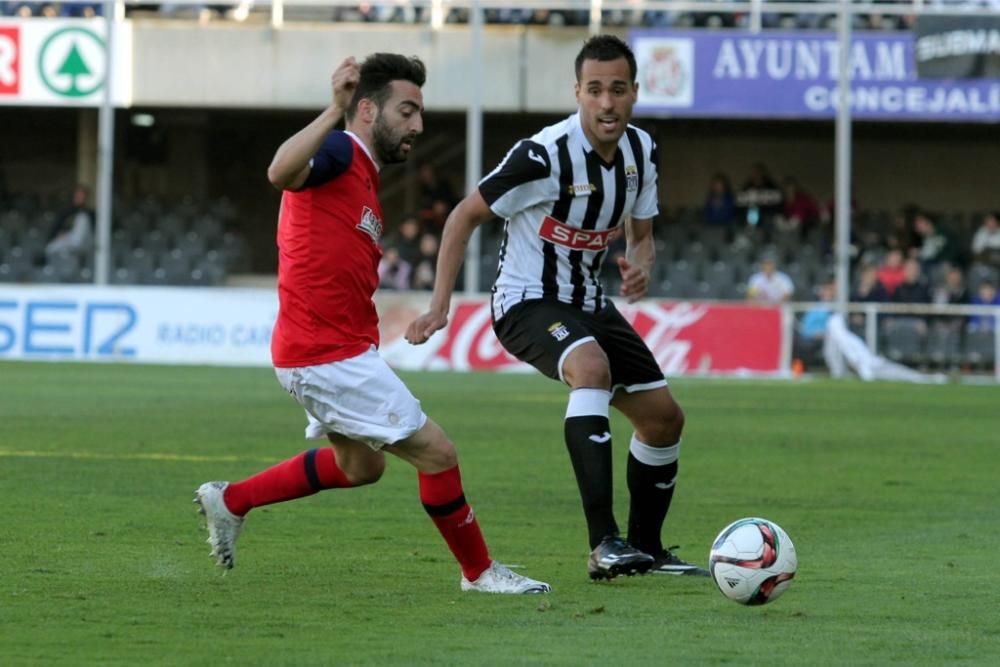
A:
(541, 332)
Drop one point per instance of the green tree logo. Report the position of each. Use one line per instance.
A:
(72, 62)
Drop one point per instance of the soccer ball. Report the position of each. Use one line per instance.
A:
(752, 561)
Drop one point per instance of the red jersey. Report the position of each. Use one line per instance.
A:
(328, 256)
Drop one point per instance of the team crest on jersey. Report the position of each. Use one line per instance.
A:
(631, 178)
(370, 224)
(581, 189)
(558, 331)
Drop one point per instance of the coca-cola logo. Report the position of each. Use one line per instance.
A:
(659, 325)
(471, 343)
(685, 338)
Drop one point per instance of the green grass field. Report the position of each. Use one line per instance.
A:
(889, 492)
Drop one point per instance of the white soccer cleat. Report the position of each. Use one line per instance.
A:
(223, 526)
(499, 579)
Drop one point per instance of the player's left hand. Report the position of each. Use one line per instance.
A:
(635, 280)
(424, 327)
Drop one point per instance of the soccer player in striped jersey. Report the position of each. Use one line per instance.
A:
(325, 340)
(563, 193)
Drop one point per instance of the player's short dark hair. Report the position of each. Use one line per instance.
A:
(378, 71)
(605, 48)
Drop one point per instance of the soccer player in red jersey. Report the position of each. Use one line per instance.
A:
(325, 340)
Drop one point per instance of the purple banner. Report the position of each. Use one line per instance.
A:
(733, 74)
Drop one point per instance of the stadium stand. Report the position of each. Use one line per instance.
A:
(152, 244)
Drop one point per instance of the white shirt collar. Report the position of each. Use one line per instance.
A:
(363, 147)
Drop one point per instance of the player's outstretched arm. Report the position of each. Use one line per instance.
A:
(290, 166)
(640, 254)
(463, 220)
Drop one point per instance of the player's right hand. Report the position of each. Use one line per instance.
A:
(344, 82)
(424, 327)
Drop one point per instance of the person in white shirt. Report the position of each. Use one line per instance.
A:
(769, 285)
(986, 242)
(74, 234)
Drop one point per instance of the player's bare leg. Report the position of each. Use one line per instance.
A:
(658, 422)
(588, 439)
(433, 455)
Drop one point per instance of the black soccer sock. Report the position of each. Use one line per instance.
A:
(652, 473)
(588, 439)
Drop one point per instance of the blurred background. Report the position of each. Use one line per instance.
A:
(741, 97)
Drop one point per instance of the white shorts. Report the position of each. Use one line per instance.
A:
(360, 398)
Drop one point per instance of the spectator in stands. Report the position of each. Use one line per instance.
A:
(869, 288)
(800, 210)
(914, 288)
(426, 266)
(393, 271)
(936, 246)
(769, 285)
(86, 10)
(435, 192)
(720, 206)
(901, 234)
(760, 199)
(986, 241)
(951, 292)
(407, 240)
(73, 231)
(891, 273)
(29, 9)
(986, 295)
(828, 212)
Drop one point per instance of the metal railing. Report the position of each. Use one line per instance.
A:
(875, 314)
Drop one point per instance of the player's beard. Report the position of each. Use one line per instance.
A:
(389, 142)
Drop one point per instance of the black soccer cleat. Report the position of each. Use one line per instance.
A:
(614, 557)
(667, 563)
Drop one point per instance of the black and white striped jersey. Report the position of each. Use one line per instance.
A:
(561, 200)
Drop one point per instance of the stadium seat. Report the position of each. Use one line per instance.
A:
(45, 274)
(904, 340)
(66, 267)
(19, 261)
(944, 345)
(8, 273)
(978, 274)
(139, 261)
(155, 242)
(33, 241)
(177, 266)
(191, 244)
(123, 275)
(680, 280)
(980, 348)
(720, 280)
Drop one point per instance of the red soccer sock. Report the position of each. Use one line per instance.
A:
(442, 496)
(302, 475)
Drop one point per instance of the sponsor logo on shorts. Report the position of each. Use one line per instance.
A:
(631, 178)
(559, 331)
(572, 237)
(370, 224)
